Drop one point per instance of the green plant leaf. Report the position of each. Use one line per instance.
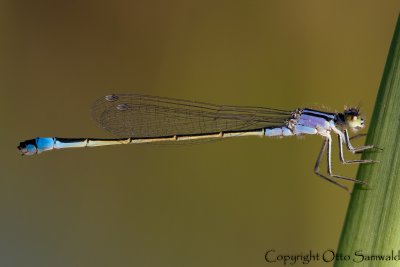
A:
(372, 225)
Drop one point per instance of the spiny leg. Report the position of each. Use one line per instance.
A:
(357, 136)
(316, 168)
(354, 149)
(341, 157)
(329, 158)
(328, 143)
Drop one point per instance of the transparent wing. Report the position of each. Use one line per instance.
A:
(133, 115)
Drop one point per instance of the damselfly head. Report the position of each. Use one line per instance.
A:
(353, 119)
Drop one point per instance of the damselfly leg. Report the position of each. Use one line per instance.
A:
(352, 149)
(327, 145)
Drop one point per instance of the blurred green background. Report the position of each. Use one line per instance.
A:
(215, 204)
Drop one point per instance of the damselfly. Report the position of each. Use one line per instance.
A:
(148, 119)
